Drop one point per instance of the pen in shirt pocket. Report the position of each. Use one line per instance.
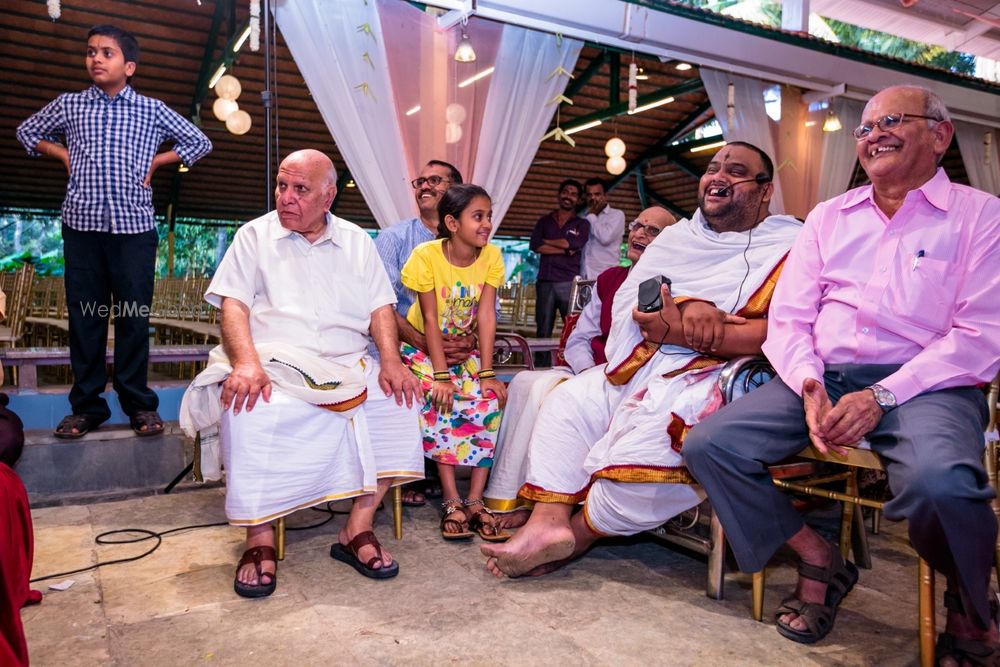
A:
(916, 260)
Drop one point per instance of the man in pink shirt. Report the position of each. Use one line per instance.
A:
(882, 324)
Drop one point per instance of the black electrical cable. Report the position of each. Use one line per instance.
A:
(145, 534)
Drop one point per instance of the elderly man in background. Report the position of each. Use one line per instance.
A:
(607, 226)
(884, 322)
(307, 415)
(584, 349)
(394, 245)
(611, 437)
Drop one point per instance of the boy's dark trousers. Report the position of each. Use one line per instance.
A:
(104, 269)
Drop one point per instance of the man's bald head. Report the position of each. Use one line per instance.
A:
(313, 162)
(305, 189)
(646, 227)
(657, 215)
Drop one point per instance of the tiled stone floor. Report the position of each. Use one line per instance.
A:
(632, 602)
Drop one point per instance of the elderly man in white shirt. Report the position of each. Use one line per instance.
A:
(607, 227)
(302, 293)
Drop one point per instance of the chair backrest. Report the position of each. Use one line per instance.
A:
(559, 358)
(19, 300)
(508, 344)
(583, 291)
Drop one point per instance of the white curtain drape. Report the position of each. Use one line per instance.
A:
(984, 174)
(517, 110)
(839, 150)
(750, 121)
(344, 66)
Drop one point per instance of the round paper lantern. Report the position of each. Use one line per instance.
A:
(223, 108)
(228, 87)
(615, 147)
(452, 133)
(455, 113)
(239, 122)
(615, 165)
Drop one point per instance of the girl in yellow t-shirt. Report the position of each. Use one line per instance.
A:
(456, 279)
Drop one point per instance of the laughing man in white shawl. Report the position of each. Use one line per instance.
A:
(614, 437)
(302, 293)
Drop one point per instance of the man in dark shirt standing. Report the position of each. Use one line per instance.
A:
(559, 238)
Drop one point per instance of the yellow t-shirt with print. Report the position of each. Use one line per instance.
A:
(457, 289)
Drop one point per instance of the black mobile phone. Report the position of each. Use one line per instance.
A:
(650, 299)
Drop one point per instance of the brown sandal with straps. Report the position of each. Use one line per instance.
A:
(452, 528)
(255, 556)
(490, 531)
(348, 553)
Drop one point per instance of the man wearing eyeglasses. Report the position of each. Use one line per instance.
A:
(611, 437)
(394, 246)
(884, 321)
(607, 225)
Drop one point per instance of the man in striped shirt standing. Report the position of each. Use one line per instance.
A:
(107, 137)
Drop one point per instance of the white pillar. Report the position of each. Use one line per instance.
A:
(795, 15)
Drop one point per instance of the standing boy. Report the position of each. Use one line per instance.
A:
(110, 136)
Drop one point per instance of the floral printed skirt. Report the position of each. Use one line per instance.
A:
(467, 435)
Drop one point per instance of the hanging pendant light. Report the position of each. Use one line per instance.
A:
(615, 147)
(465, 53)
(832, 122)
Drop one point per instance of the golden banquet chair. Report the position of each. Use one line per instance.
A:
(862, 458)
(397, 522)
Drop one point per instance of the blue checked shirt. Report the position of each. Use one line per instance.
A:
(111, 145)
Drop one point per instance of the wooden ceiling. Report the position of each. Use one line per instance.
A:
(45, 58)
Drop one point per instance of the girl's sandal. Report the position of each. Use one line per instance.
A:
(453, 528)
(490, 531)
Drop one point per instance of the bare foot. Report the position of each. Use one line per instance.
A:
(368, 551)
(536, 544)
(514, 518)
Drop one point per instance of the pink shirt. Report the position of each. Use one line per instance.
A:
(921, 290)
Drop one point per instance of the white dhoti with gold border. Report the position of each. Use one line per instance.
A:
(525, 395)
(612, 440)
(328, 433)
(288, 454)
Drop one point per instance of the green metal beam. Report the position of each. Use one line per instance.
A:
(669, 205)
(194, 111)
(685, 166)
(640, 187)
(615, 85)
(342, 180)
(226, 58)
(618, 109)
(659, 147)
(584, 77)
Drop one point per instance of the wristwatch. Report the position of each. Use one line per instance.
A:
(885, 398)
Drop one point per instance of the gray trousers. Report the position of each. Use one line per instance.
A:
(931, 447)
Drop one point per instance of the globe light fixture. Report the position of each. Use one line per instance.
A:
(228, 87)
(223, 108)
(239, 122)
(615, 147)
(615, 165)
